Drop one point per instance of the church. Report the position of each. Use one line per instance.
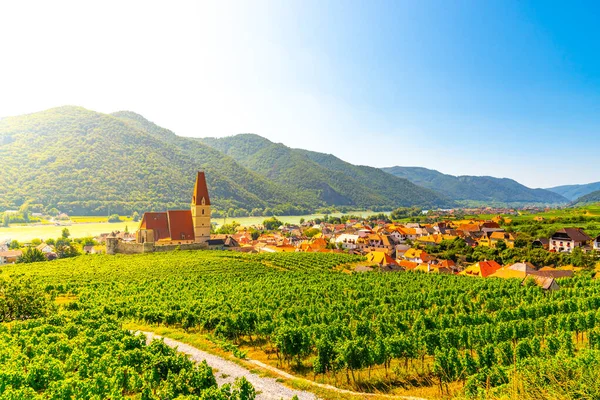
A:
(179, 226)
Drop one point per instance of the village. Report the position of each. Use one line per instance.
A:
(387, 246)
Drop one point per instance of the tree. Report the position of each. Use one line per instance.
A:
(501, 245)
(24, 211)
(114, 218)
(53, 212)
(14, 245)
(311, 232)
(64, 250)
(6, 220)
(65, 233)
(272, 223)
(135, 216)
(30, 255)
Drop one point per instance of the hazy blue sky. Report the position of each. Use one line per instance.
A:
(501, 88)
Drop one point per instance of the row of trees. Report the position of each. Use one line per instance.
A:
(457, 249)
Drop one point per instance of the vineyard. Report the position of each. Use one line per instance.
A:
(458, 336)
(89, 356)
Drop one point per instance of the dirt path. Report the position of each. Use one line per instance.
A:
(268, 388)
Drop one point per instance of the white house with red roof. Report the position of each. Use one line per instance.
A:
(566, 239)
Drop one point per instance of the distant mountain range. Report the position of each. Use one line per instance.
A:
(85, 162)
(484, 189)
(574, 192)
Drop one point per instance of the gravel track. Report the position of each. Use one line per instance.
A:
(266, 388)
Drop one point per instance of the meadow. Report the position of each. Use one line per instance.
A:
(395, 333)
(25, 233)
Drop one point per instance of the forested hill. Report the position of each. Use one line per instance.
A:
(574, 192)
(483, 189)
(84, 162)
(332, 180)
(593, 197)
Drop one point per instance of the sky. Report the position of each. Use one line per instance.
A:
(501, 88)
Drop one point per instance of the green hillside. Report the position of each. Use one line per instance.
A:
(84, 162)
(485, 189)
(573, 192)
(593, 197)
(332, 180)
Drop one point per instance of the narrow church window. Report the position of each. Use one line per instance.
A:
(203, 211)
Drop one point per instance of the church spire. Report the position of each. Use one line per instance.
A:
(200, 191)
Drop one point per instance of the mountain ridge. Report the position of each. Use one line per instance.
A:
(476, 188)
(574, 192)
(593, 197)
(333, 179)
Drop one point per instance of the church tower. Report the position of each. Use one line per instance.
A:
(201, 210)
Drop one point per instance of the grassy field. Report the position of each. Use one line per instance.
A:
(25, 233)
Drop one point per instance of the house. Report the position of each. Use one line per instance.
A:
(596, 244)
(401, 249)
(447, 264)
(45, 248)
(555, 273)
(526, 267)
(541, 243)
(381, 258)
(9, 256)
(408, 265)
(433, 268)
(482, 269)
(506, 237)
(508, 273)
(545, 282)
(417, 256)
(566, 239)
(435, 239)
(347, 241)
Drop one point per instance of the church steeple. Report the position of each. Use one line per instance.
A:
(201, 210)
(200, 196)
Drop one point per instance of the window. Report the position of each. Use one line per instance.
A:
(203, 211)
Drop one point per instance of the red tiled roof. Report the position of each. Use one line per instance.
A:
(180, 224)
(488, 267)
(158, 222)
(200, 190)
